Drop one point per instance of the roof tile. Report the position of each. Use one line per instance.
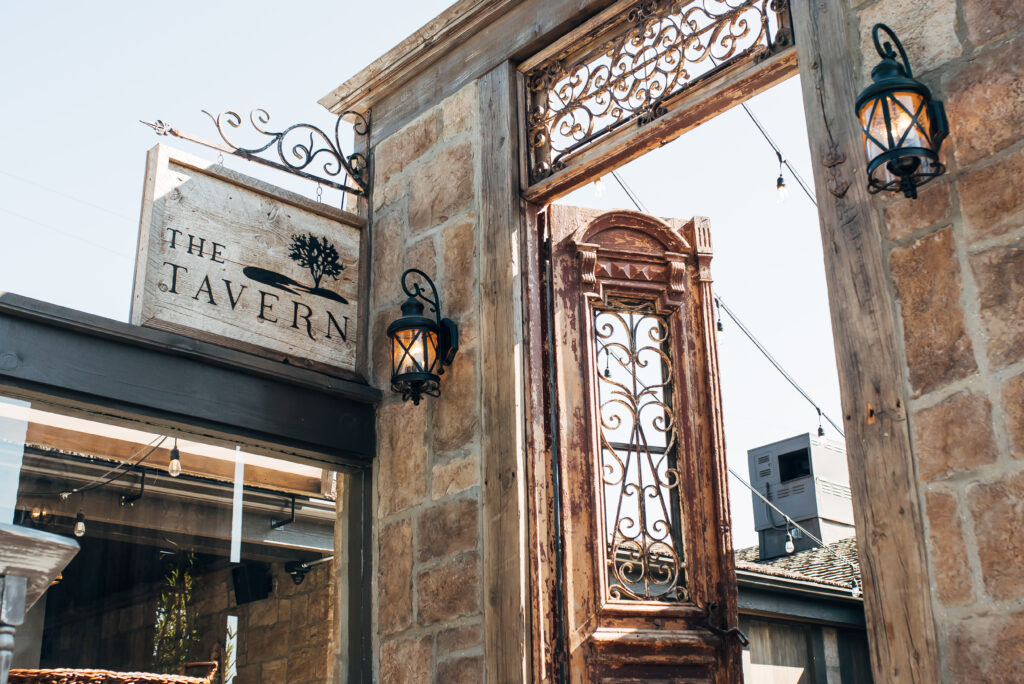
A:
(834, 564)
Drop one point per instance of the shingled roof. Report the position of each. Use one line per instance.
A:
(833, 565)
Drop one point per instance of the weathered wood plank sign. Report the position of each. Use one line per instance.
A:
(238, 262)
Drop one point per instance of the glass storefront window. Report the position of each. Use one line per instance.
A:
(231, 561)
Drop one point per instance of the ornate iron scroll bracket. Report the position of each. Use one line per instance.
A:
(292, 149)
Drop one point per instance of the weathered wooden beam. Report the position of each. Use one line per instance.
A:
(456, 24)
(353, 565)
(501, 333)
(501, 29)
(177, 384)
(890, 537)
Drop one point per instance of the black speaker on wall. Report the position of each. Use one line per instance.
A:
(253, 582)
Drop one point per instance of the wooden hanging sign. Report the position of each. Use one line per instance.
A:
(238, 262)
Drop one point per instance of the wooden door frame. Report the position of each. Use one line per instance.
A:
(594, 254)
(890, 537)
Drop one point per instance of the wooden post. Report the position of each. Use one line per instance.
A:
(890, 533)
(501, 338)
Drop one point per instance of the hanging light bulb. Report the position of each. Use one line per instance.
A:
(780, 183)
(790, 546)
(821, 430)
(718, 308)
(80, 524)
(599, 188)
(174, 465)
(856, 589)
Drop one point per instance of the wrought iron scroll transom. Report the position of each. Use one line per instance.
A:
(660, 48)
(638, 447)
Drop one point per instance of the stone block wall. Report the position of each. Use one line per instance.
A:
(956, 265)
(428, 594)
(286, 637)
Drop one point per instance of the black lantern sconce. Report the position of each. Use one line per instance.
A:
(421, 346)
(903, 126)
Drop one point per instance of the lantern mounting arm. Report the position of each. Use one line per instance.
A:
(419, 292)
(887, 52)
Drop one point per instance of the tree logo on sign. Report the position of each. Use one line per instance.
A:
(316, 254)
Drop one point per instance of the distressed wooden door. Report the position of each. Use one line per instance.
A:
(648, 588)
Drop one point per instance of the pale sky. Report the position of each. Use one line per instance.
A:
(77, 77)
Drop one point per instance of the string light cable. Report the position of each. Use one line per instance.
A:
(55, 191)
(124, 467)
(778, 152)
(629, 192)
(778, 366)
(783, 160)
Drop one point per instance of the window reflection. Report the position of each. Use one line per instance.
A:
(153, 587)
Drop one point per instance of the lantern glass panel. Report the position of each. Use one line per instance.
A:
(895, 120)
(898, 121)
(414, 350)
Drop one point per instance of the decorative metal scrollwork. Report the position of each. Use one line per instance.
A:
(637, 433)
(297, 147)
(662, 47)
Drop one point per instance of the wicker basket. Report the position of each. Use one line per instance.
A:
(66, 676)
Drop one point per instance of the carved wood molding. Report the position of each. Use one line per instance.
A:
(628, 249)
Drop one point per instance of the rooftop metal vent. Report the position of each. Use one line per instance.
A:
(807, 479)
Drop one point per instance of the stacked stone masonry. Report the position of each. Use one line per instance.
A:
(428, 610)
(956, 261)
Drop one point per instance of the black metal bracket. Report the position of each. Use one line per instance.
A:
(734, 632)
(297, 570)
(294, 155)
(130, 499)
(885, 51)
(278, 524)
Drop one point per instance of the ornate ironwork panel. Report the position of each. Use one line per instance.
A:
(292, 149)
(661, 48)
(638, 445)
